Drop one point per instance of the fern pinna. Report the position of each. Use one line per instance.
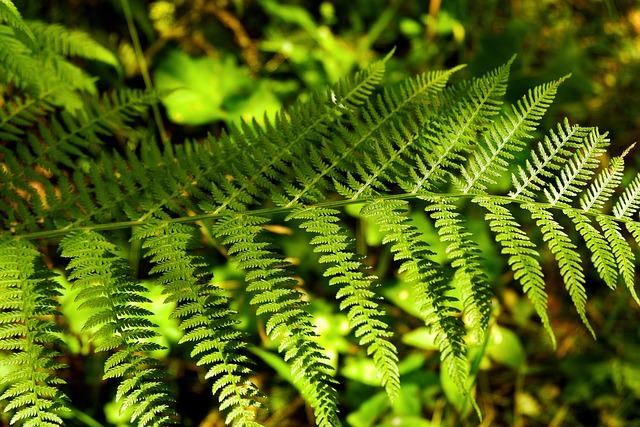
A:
(424, 144)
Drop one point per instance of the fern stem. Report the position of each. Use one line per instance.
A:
(284, 209)
(142, 62)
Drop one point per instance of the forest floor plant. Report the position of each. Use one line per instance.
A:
(76, 173)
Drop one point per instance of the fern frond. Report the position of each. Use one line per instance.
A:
(430, 285)
(601, 256)
(120, 323)
(264, 155)
(629, 201)
(578, 170)
(523, 256)
(205, 318)
(27, 300)
(507, 136)
(51, 150)
(565, 253)
(20, 114)
(450, 135)
(547, 160)
(355, 291)
(19, 65)
(288, 323)
(466, 259)
(624, 257)
(634, 229)
(61, 40)
(336, 158)
(10, 14)
(603, 187)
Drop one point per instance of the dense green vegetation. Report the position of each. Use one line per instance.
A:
(394, 249)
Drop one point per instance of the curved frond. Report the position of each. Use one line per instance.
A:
(339, 155)
(119, 323)
(567, 257)
(624, 257)
(603, 187)
(12, 17)
(19, 65)
(48, 153)
(355, 292)
(629, 201)
(523, 256)
(205, 318)
(601, 256)
(28, 333)
(578, 170)
(288, 323)
(466, 259)
(448, 137)
(506, 136)
(549, 157)
(59, 39)
(430, 285)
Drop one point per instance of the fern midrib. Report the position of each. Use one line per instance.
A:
(287, 149)
(579, 167)
(452, 144)
(515, 128)
(106, 114)
(328, 204)
(406, 143)
(553, 154)
(364, 137)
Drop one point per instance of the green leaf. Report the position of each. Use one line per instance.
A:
(505, 347)
(204, 90)
(423, 338)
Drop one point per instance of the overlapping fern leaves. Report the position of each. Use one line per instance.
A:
(424, 143)
(27, 302)
(105, 286)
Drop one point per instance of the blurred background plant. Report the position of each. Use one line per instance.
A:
(226, 60)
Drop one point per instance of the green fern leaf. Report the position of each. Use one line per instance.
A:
(624, 257)
(288, 324)
(27, 331)
(578, 170)
(634, 229)
(507, 136)
(603, 187)
(18, 115)
(68, 140)
(601, 256)
(547, 160)
(204, 317)
(450, 135)
(329, 164)
(19, 66)
(567, 257)
(629, 201)
(465, 257)
(59, 39)
(523, 256)
(355, 291)
(10, 14)
(430, 285)
(97, 272)
(256, 171)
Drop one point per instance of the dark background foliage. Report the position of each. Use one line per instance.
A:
(238, 58)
